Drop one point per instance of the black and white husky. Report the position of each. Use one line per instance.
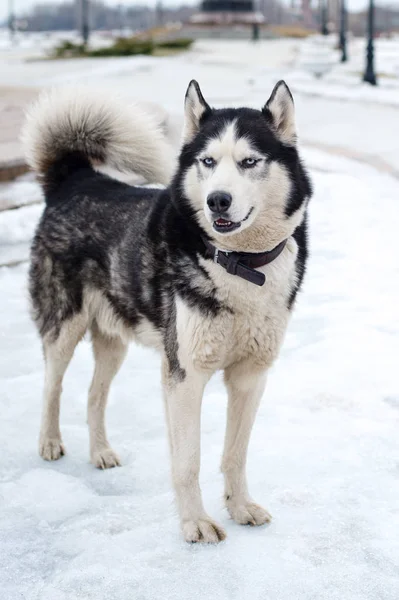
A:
(206, 270)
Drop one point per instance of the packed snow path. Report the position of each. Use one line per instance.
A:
(324, 457)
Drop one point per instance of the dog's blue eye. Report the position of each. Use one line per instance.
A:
(208, 161)
(249, 162)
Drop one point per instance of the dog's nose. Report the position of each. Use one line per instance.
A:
(219, 202)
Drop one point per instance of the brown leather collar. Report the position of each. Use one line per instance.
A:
(243, 264)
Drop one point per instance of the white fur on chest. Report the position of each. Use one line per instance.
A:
(255, 327)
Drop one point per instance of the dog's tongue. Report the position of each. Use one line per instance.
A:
(221, 221)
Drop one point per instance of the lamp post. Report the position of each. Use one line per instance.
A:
(85, 21)
(159, 14)
(120, 18)
(342, 32)
(369, 74)
(11, 18)
(255, 32)
(323, 17)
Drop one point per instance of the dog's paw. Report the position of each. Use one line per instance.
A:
(105, 458)
(248, 513)
(203, 530)
(51, 448)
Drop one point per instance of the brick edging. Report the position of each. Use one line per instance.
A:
(12, 169)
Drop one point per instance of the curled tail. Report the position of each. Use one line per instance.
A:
(67, 129)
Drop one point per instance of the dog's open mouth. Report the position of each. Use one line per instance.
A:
(223, 225)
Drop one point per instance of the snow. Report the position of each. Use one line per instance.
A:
(22, 191)
(344, 81)
(18, 225)
(348, 90)
(323, 457)
(324, 452)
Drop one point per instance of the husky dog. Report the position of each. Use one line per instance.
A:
(206, 270)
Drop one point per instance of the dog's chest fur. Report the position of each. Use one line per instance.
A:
(251, 327)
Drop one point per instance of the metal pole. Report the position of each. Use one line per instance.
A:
(120, 17)
(255, 32)
(323, 17)
(342, 32)
(11, 19)
(369, 74)
(85, 21)
(159, 13)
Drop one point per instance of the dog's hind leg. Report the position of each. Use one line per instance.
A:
(245, 388)
(57, 354)
(109, 353)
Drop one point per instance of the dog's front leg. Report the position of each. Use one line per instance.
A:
(245, 387)
(183, 398)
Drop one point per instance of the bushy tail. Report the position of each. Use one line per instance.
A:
(70, 128)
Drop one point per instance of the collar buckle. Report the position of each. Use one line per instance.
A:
(244, 264)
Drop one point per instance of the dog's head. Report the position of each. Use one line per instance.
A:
(240, 172)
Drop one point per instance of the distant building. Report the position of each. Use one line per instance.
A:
(227, 13)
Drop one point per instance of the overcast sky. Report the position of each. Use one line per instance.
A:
(22, 5)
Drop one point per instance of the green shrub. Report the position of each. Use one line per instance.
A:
(121, 47)
(178, 43)
(68, 50)
(124, 47)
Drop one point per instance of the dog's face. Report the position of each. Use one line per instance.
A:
(240, 170)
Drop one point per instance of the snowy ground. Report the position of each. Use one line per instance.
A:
(323, 458)
(324, 453)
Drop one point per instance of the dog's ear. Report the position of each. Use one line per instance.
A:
(195, 108)
(279, 110)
